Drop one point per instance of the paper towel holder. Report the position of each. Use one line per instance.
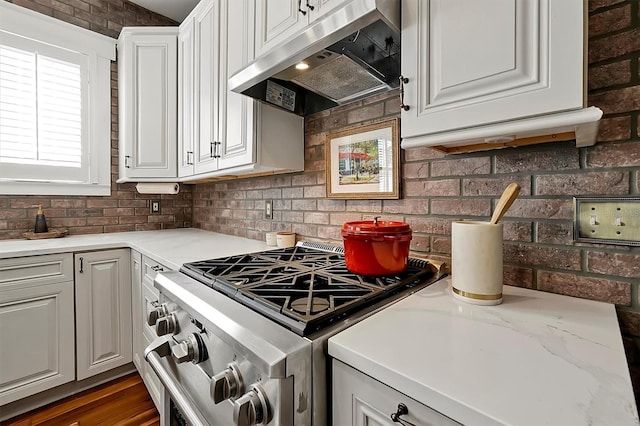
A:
(158, 187)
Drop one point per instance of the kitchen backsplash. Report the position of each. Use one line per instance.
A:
(125, 209)
(436, 189)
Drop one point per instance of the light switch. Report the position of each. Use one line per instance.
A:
(607, 220)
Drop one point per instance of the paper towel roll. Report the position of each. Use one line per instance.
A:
(158, 187)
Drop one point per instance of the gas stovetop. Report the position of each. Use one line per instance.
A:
(306, 287)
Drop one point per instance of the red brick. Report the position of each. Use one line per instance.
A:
(610, 20)
(461, 166)
(554, 233)
(430, 225)
(597, 4)
(614, 46)
(331, 205)
(517, 276)
(330, 232)
(431, 188)
(517, 231)
(316, 218)
(616, 264)
(614, 129)
(305, 230)
(335, 121)
(318, 191)
(289, 216)
(440, 244)
(422, 153)
(341, 218)
(494, 186)
(614, 155)
(415, 170)
(600, 289)
(604, 183)
(609, 74)
(549, 257)
(618, 100)
(539, 160)
(304, 205)
(461, 207)
(409, 206)
(367, 206)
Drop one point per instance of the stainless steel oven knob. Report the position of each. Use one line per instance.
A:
(252, 408)
(191, 349)
(226, 384)
(159, 312)
(166, 325)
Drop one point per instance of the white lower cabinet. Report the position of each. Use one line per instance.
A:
(103, 311)
(360, 400)
(36, 325)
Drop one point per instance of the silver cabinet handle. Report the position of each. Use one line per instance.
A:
(403, 81)
(216, 149)
(126, 162)
(189, 155)
(161, 348)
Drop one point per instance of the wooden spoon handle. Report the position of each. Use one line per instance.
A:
(508, 197)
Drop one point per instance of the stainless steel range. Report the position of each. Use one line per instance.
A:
(243, 339)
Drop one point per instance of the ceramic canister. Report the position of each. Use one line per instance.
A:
(286, 239)
(476, 262)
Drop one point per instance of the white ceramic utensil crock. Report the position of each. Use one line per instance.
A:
(476, 262)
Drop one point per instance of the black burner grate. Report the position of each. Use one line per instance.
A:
(301, 288)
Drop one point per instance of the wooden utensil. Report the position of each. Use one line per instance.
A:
(508, 197)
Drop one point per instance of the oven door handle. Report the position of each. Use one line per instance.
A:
(160, 348)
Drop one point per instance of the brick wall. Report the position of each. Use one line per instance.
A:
(124, 209)
(539, 252)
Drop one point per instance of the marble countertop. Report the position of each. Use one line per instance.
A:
(171, 247)
(537, 359)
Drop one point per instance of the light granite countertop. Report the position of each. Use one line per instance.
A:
(537, 359)
(171, 247)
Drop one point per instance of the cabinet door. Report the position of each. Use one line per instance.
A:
(360, 400)
(206, 29)
(237, 146)
(148, 104)
(276, 21)
(471, 63)
(103, 311)
(186, 98)
(37, 334)
(136, 309)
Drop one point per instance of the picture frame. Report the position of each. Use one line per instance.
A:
(363, 162)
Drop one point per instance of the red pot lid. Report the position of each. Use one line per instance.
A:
(375, 227)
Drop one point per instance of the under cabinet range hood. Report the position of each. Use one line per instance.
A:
(351, 53)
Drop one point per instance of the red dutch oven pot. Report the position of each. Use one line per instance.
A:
(376, 247)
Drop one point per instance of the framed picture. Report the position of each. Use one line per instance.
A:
(363, 162)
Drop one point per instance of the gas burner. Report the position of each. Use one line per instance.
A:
(310, 305)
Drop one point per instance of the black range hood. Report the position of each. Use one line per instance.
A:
(351, 53)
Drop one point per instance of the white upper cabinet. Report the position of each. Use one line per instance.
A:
(147, 107)
(495, 72)
(198, 89)
(278, 20)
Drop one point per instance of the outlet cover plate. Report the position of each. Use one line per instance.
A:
(607, 220)
(268, 209)
(155, 206)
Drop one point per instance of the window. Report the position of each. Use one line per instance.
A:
(55, 105)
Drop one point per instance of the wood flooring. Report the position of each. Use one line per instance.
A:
(122, 402)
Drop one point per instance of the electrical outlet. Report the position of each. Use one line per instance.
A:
(155, 206)
(607, 220)
(268, 209)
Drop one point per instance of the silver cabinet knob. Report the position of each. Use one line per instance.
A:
(159, 312)
(166, 325)
(226, 384)
(252, 408)
(191, 349)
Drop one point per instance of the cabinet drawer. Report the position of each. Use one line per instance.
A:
(150, 297)
(36, 270)
(361, 400)
(150, 269)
